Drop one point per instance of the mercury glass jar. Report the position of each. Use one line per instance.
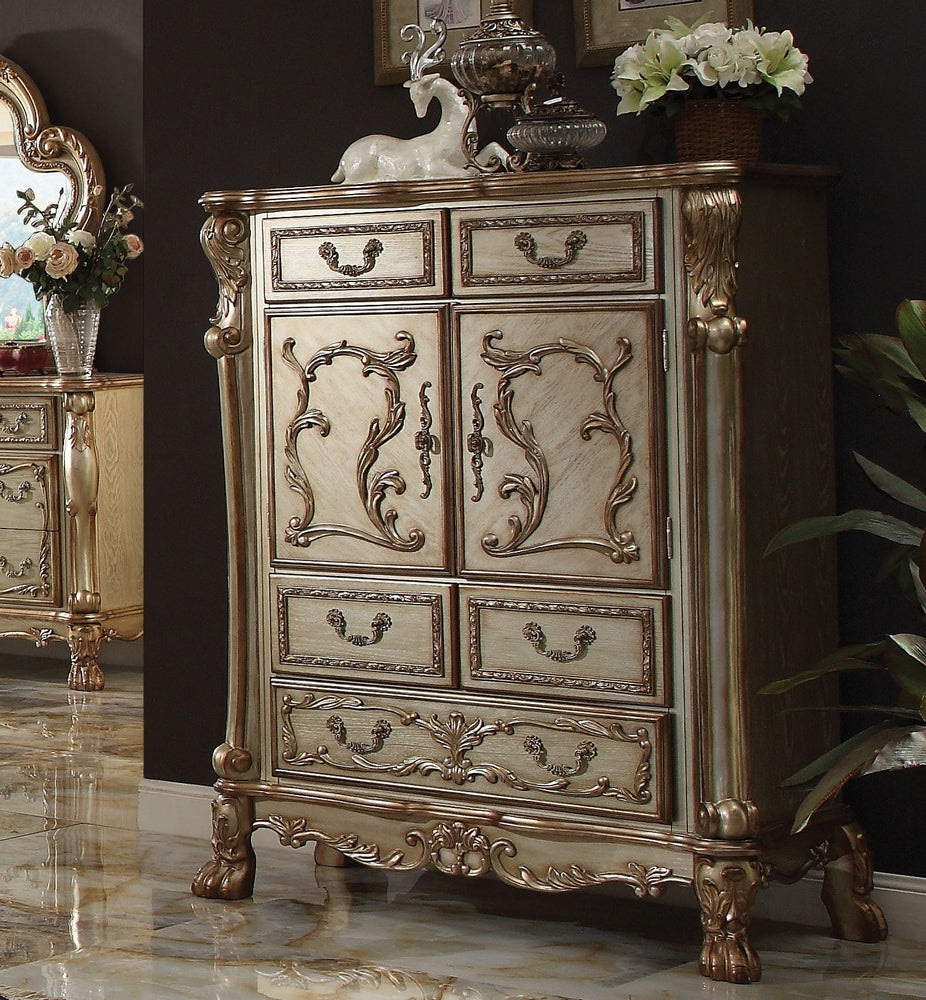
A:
(502, 58)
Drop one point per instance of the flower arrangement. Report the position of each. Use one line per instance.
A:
(763, 69)
(84, 268)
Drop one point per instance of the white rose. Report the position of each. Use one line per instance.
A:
(40, 244)
(704, 37)
(81, 238)
(7, 260)
(62, 261)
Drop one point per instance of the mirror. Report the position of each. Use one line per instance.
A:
(60, 165)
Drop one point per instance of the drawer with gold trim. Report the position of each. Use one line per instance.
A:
(28, 421)
(28, 493)
(348, 256)
(565, 644)
(382, 631)
(30, 567)
(609, 247)
(592, 760)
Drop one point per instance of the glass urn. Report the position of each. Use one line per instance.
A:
(556, 134)
(502, 58)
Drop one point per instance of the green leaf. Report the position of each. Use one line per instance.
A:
(911, 325)
(839, 766)
(909, 670)
(872, 521)
(892, 485)
(848, 658)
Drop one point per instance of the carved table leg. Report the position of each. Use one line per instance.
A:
(847, 886)
(726, 891)
(85, 641)
(328, 857)
(230, 873)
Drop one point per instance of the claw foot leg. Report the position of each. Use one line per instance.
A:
(847, 885)
(84, 642)
(726, 892)
(230, 873)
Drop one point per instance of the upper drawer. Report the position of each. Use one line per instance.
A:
(610, 247)
(355, 256)
(29, 493)
(28, 420)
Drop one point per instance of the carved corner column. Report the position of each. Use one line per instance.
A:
(714, 333)
(725, 881)
(225, 240)
(81, 482)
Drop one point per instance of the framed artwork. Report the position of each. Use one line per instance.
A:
(462, 17)
(604, 28)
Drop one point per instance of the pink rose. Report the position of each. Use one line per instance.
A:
(25, 258)
(62, 260)
(7, 260)
(133, 245)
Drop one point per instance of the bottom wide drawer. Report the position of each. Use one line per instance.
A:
(586, 759)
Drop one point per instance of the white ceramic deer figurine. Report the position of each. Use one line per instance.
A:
(436, 154)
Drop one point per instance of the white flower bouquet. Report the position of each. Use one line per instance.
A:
(84, 268)
(763, 69)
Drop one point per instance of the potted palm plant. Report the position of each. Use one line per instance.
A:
(895, 368)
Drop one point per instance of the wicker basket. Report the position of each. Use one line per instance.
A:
(717, 130)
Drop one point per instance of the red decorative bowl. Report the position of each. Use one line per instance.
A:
(23, 357)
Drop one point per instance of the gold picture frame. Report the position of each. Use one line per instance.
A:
(604, 28)
(390, 16)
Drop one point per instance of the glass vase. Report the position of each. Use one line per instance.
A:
(72, 336)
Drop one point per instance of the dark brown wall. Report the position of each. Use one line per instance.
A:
(242, 94)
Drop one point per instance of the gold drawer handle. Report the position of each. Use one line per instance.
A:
(329, 253)
(25, 489)
(528, 246)
(426, 444)
(584, 637)
(16, 426)
(477, 445)
(380, 732)
(584, 752)
(14, 574)
(379, 626)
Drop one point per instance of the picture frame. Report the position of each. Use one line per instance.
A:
(390, 16)
(604, 28)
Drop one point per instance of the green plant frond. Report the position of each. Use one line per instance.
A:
(892, 485)
(907, 665)
(874, 522)
(856, 657)
(911, 325)
(839, 766)
(916, 409)
(885, 353)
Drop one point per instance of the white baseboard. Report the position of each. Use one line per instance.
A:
(186, 811)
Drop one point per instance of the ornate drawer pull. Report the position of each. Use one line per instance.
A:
(425, 442)
(477, 445)
(528, 246)
(584, 752)
(584, 637)
(19, 495)
(380, 624)
(14, 574)
(379, 734)
(17, 425)
(329, 253)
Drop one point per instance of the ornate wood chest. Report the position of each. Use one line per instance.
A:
(502, 464)
(71, 514)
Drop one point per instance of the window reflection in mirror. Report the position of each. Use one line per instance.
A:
(20, 311)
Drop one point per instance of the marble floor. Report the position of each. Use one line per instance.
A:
(91, 908)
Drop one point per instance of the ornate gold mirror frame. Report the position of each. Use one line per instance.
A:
(42, 147)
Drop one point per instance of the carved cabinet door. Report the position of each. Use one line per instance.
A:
(562, 441)
(357, 453)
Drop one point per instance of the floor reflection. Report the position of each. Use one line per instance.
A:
(93, 909)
